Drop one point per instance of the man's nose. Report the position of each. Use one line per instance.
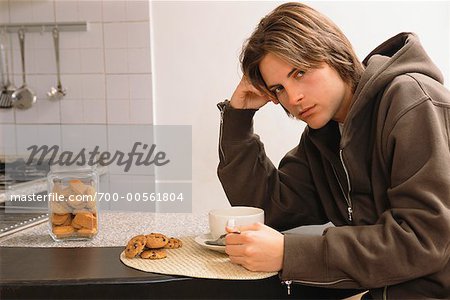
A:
(295, 96)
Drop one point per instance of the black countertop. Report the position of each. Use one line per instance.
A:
(97, 272)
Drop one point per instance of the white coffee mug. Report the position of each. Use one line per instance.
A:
(237, 215)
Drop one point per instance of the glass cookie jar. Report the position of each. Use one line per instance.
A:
(73, 209)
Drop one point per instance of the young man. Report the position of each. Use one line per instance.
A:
(374, 160)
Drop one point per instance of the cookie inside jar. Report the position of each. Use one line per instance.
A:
(73, 208)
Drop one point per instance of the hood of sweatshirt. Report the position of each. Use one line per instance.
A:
(399, 55)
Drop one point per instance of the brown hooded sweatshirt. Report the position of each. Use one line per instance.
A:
(385, 183)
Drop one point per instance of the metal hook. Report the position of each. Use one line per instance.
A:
(21, 32)
(55, 31)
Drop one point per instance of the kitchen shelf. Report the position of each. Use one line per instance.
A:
(44, 27)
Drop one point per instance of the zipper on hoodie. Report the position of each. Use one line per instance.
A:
(288, 283)
(288, 286)
(385, 292)
(222, 110)
(347, 197)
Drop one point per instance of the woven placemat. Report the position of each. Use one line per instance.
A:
(193, 260)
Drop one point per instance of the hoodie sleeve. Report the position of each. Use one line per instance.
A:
(249, 178)
(411, 239)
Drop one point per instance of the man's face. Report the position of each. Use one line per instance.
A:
(314, 96)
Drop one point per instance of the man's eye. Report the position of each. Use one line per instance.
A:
(299, 74)
(278, 89)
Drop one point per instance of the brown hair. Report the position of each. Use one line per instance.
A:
(302, 37)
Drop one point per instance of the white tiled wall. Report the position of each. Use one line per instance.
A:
(106, 70)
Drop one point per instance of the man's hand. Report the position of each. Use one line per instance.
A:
(246, 96)
(257, 248)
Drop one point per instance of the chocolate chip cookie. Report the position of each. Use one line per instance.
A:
(173, 243)
(134, 248)
(156, 240)
(154, 254)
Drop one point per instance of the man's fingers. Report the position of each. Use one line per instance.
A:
(251, 88)
(274, 100)
(255, 90)
(234, 239)
(242, 228)
(239, 260)
(234, 250)
(232, 229)
(241, 234)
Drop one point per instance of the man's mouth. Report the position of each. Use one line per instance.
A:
(307, 111)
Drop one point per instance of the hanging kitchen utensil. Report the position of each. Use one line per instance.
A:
(11, 87)
(3, 95)
(23, 97)
(7, 88)
(59, 92)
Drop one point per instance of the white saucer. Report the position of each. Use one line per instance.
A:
(201, 239)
